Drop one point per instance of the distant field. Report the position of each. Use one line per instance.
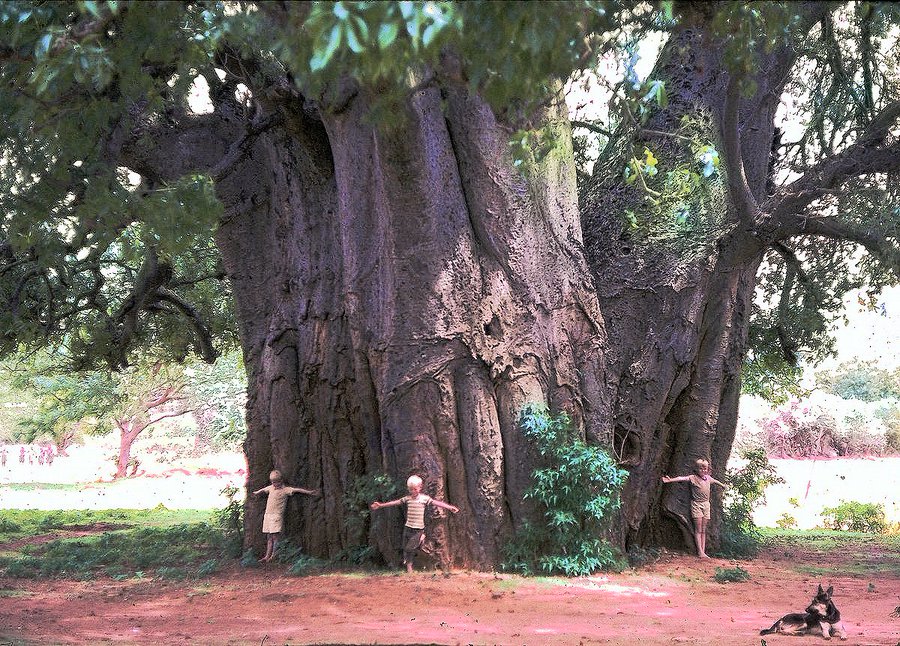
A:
(816, 484)
(83, 481)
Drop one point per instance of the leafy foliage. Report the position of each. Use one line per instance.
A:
(97, 402)
(576, 493)
(855, 517)
(230, 520)
(786, 521)
(217, 395)
(863, 380)
(746, 488)
(735, 574)
(362, 491)
(173, 543)
(94, 257)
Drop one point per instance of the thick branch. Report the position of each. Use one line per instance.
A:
(734, 164)
(788, 347)
(153, 275)
(239, 149)
(203, 333)
(862, 158)
(880, 247)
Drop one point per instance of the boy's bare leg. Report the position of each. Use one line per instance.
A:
(269, 549)
(698, 536)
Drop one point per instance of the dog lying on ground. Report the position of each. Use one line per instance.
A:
(821, 618)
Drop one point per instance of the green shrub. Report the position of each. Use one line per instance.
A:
(731, 575)
(248, 558)
(576, 492)
(211, 566)
(172, 573)
(739, 537)
(360, 494)
(303, 564)
(230, 520)
(8, 526)
(786, 521)
(856, 517)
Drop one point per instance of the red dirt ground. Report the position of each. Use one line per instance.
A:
(673, 601)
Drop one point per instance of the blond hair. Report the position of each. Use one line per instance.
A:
(413, 481)
(275, 476)
(701, 463)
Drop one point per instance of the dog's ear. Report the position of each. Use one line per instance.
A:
(821, 591)
(829, 591)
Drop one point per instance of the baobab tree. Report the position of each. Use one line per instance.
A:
(404, 279)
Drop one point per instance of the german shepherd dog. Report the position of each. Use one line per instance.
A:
(820, 618)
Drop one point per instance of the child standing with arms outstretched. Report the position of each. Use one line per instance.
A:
(414, 530)
(701, 482)
(273, 520)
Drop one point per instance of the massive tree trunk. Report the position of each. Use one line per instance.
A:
(401, 295)
(403, 292)
(677, 313)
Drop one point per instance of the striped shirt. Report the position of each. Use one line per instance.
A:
(415, 510)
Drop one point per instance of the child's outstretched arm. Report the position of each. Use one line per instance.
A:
(721, 484)
(668, 479)
(259, 491)
(308, 492)
(392, 503)
(444, 505)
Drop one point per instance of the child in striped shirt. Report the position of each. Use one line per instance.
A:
(414, 530)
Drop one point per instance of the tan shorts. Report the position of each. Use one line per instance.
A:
(700, 509)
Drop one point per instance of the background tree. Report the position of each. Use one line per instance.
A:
(217, 396)
(404, 280)
(98, 402)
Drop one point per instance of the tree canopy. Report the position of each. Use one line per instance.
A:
(100, 254)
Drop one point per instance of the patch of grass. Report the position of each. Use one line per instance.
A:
(508, 584)
(200, 590)
(8, 593)
(135, 541)
(823, 552)
(848, 568)
(19, 524)
(735, 574)
(827, 539)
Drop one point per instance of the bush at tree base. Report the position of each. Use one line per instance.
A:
(739, 536)
(576, 491)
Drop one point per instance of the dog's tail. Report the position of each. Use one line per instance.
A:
(772, 630)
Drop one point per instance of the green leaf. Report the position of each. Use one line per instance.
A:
(92, 8)
(353, 42)
(340, 10)
(387, 33)
(320, 58)
(43, 46)
(431, 31)
(363, 28)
